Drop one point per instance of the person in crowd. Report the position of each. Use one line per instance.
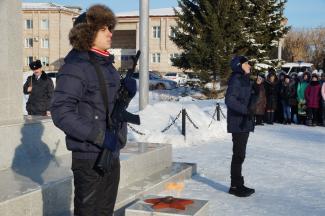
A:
(40, 88)
(323, 97)
(279, 118)
(271, 93)
(240, 111)
(79, 109)
(301, 88)
(287, 93)
(312, 96)
(293, 100)
(261, 101)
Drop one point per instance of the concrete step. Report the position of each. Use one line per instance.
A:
(45, 186)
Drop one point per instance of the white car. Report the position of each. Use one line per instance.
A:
(296, 67)
(157, 82)
(180, 78)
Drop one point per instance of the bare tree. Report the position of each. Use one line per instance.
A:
(296, 46)
(305, 45)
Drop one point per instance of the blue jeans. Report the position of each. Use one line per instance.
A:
(286, 110)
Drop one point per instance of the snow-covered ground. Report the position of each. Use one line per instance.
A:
(284, 163)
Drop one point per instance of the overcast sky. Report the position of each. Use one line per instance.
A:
(300, 13)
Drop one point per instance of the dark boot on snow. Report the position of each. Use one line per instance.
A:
(241, 191)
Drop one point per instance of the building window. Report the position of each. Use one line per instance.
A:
(28, 24)
(28, 60)
(45, 61)
(155, 58)
(28, 42)
(44, 24)
(172, 33)
(172, 56)
(45, 43)
(156, 31)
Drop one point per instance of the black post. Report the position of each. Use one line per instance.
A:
(184, 122)
(218, 111)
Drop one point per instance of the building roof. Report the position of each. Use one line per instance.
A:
(152, 12)
(48, 6)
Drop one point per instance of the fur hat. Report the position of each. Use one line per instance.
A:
(85, 27)
(35, 65)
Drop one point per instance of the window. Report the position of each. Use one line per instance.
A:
(156, 31)
(45, 43)
(172, 33)
(28, 42)
(172, 56)
(155, 58)
(28, 24)
(44, 24)
(45, 61)
(28, 60)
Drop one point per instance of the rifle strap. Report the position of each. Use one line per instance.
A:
(103, 89)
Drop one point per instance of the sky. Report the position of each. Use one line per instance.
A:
(300, 13)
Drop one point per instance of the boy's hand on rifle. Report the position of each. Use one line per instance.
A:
(131, 86)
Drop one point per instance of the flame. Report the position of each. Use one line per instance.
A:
(174, 186)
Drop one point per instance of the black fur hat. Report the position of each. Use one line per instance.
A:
(85, 27)
(35, 65)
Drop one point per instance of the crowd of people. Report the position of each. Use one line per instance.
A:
(298, 98)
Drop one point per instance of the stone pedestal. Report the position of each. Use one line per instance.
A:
(140, 208)
(11, 48)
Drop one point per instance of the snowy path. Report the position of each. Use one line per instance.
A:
(285, 164)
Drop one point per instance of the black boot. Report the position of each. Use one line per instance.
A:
(268, 118)
(289, 121)
(241, 191)
(272, 117)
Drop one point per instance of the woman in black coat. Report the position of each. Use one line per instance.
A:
(239, 121)
(271, 93)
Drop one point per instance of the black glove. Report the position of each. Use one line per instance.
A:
(131, 85)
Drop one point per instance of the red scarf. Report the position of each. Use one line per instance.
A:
(100, 52)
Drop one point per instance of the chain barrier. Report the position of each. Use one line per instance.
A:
(214, 114)
(223, 115)
(135, 130)
(189, 118)
(218, 108)
(173, 122)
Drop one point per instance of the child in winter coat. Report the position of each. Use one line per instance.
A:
(286, 94)
(301, 88)
(312, 96)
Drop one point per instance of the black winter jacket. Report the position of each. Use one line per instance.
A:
(40, 98)
(77, 105)
(237, 99)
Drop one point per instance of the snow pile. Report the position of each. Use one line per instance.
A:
(160, 113)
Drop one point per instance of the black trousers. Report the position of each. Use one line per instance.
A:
(95, 195)
(239, 141)
(312, 115)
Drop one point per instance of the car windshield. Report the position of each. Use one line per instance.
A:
(170, 74)
(286, 69)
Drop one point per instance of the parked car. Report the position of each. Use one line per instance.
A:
(180, 78)
(193, 79)
(157, 82)
(296, 67)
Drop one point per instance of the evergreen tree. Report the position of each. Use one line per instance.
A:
(263, 22)
(206, 34)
